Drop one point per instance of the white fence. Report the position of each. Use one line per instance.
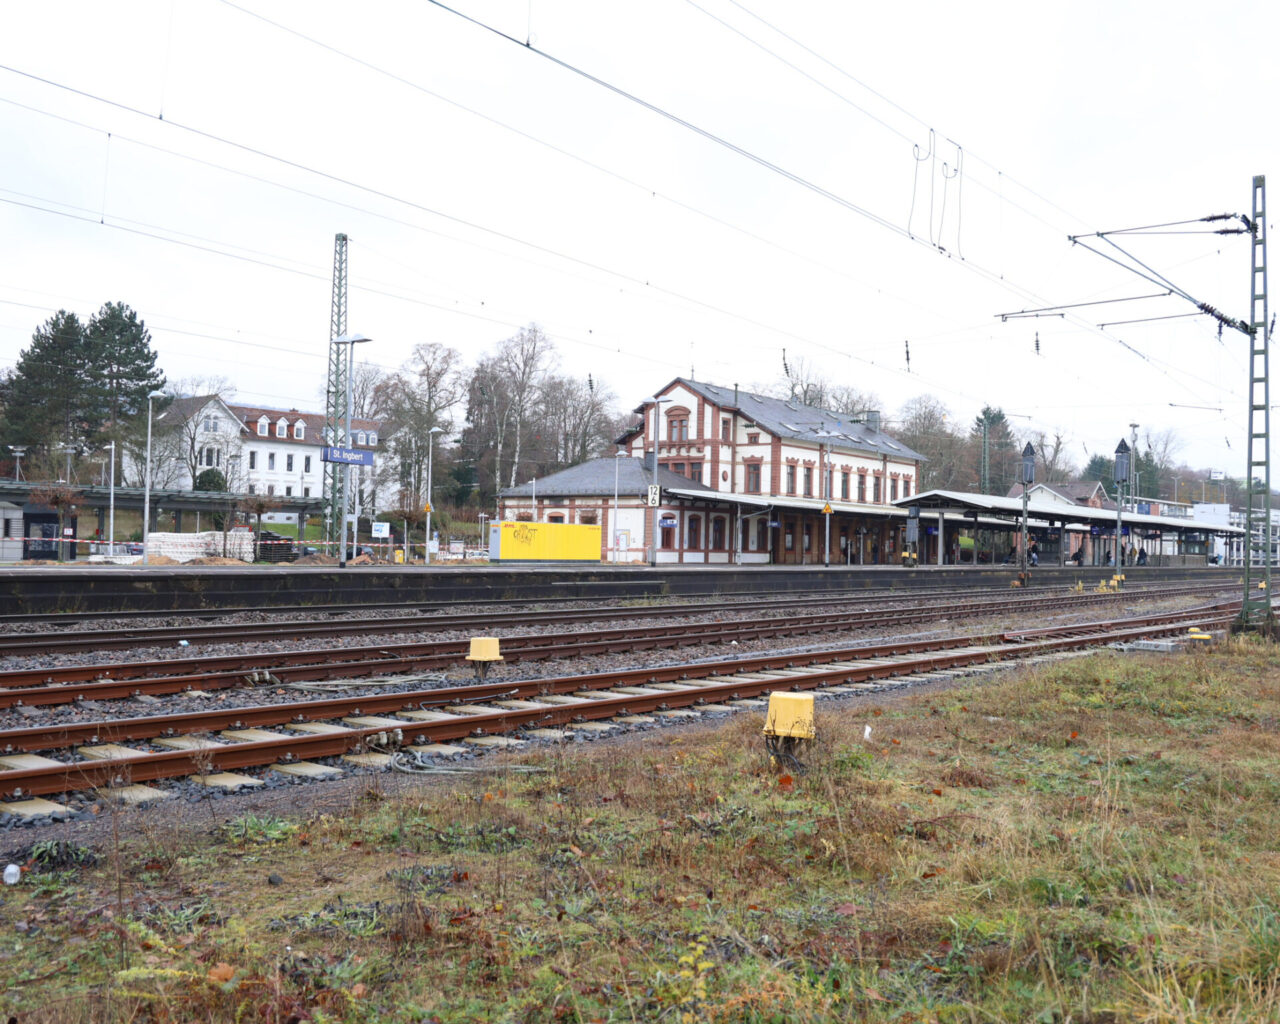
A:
(184, 547)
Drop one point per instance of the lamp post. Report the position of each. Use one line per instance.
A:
(1028, 478)
(351, 341)
(431, 436)
(1121, 474)
(657, 438)
(484, 539)
(111, 506)
(146, 497)
(18, 450)
(618, 456)
(824, 462)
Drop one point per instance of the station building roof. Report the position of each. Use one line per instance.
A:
(968, 504)
(596, 477)
(790, 419)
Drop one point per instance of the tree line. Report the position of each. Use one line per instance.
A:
(513, 414)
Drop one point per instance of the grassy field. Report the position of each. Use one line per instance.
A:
(1090, 841)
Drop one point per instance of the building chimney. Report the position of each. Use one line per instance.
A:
(873, 419)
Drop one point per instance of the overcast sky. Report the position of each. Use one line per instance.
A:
(732, 179)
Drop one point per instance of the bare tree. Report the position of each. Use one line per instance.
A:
(368, 396)
(422, 396)
(257, 505)
(1054, 465)
(925, 424)
(845, 398)
(526, 355)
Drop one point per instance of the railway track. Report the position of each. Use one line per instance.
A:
(67, 684)
(426, 722)
(428, 613)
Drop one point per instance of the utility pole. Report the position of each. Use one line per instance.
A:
(986, 456)
(1256, 610)
(335, 405)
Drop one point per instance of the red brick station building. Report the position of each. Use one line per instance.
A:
(742, 478)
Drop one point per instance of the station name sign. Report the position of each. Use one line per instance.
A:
(346, 456)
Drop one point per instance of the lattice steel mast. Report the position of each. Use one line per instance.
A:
(1256, 612)
(335, 405)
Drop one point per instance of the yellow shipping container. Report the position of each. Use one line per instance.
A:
(548, 542)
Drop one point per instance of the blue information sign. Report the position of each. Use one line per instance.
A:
(346, 456)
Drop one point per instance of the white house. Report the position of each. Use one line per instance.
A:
(258, 450)
(743, 478)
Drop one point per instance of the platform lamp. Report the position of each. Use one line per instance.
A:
(18, 450)
(618, 456)
(1121, 475)
(146, 496)
(431, 437)
(351, 341)
(111, 503)
(658, 402)
(1028, 478)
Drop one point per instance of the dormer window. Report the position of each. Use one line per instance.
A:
(282, 427)
(373, 438)
(263, 423)
(362, 438)
(300, 430)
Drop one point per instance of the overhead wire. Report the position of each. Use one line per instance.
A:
(559, 150)
(711, 136)
(916, 151)
(998, 279)
(645, 284)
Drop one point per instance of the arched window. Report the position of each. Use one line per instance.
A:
(300, 430)
(263, 424)
(373, 438)
(694, 533)
(677, 424)
(362, 438)
(282, 427)
(717, 533)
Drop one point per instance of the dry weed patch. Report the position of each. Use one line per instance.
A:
(1087, 842)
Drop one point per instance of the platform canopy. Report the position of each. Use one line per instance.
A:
(968, 504)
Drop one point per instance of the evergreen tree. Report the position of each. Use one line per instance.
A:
(1099, 468)
(1003, 451)
(80, 384)
(124, 369)
(50, 400)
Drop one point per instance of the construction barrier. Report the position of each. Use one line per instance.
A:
(545, 542)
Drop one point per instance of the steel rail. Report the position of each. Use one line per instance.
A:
(145, 767)
(68, 641)
(953, 581)
(43, 687)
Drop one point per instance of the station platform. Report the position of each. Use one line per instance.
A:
(45, 590)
